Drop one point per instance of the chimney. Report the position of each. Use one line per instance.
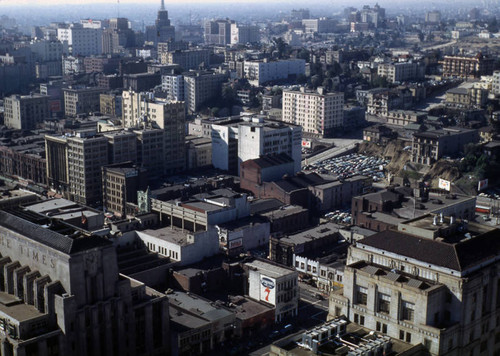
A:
(441, 218)
(435, 220)
(452, 220)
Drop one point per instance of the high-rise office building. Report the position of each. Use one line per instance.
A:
(142, 110)
(162, 30)
(218, 32)
(63, 295)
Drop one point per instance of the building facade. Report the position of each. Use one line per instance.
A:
(318, 113)
(430, 281)
(26, 111)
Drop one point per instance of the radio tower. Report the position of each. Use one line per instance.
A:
(162, 5)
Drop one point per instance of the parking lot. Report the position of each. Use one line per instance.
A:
(351, 165)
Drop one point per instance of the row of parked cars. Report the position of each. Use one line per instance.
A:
(351, 165)
(339, 216)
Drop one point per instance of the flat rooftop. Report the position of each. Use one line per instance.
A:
(172, 234)
(269, 269)
(15, 309)
(198, 306)
(317, 232)
(356, 335)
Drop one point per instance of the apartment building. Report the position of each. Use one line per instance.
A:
(81, 100)
(262, 71)
(467, 67)
(82, 41)
(187, 59)
(318, 113)
(400, 72)
(24, 112)
(218, 32)
(201, 86)
(429, 146)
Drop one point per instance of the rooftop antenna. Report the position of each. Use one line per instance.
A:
(118, 7)
(162, 8)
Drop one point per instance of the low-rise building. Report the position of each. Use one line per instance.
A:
(429, 146)
(179, 245)
(275, 285)
(261, 72)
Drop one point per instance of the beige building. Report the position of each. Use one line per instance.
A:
(24, 112)
(187, 59)
(110, 104)
(199, 87)
(81, 101)
(399, 72)
(405, 117)
(431, 281)
(199, 152)
(142, 110)
(318, 113)
(466, 97)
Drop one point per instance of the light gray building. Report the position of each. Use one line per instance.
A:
(62, 294)
(432, 280)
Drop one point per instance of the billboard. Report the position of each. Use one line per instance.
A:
(483, 184)
(306, 144)
(444, 184)
(235, 243)
(268, 290)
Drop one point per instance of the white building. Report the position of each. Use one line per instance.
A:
(73, 65)
(276, 285)
(173, 85)
(260, 72)
(242, 138)
(225, 146)
(244, 34)
(496, 82)
(81, 40)
(317, 112)
(399, 72)
(180, 245)
(258, 137)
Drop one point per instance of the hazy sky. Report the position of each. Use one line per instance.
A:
(81, 2)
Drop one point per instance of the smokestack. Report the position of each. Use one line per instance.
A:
(441, 218)
(452, 220)
(435, 220)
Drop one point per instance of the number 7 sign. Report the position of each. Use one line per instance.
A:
(267, 290)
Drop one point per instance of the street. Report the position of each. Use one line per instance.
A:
(312, 312)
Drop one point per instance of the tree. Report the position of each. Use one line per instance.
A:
(304, 54)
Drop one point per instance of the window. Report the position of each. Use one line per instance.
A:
(384, 328)
(408, 311)
(401, 335)
(408, 337)
(356, 318)
(384, 303)
(361, 295)
(379, 326)
(361, 320)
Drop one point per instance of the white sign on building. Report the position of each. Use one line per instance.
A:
(268, 290)
(444, 184)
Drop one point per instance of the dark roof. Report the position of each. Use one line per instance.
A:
(267, 161)
(456, 256)
(264, 205)
(49, 238)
